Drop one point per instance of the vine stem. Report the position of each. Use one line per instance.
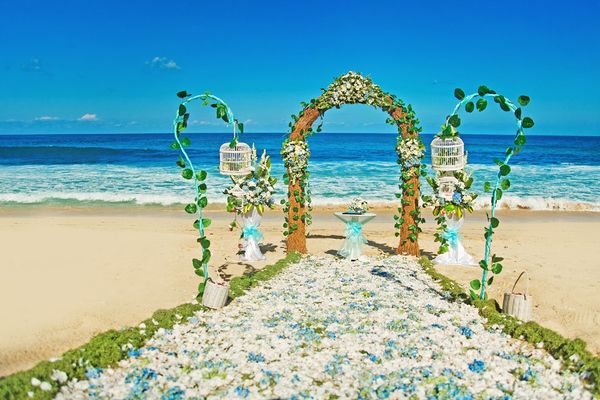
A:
(494, 200)
(177, 119)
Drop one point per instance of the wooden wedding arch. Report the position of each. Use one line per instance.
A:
(353, 88)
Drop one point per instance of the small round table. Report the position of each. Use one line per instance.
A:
(352, 246)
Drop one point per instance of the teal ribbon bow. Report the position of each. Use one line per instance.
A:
(354, 232)
(252, 232)
(452, 236)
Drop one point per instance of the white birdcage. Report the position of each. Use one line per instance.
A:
(236, 160)
(448, 154)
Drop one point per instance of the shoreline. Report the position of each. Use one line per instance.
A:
(73, 272)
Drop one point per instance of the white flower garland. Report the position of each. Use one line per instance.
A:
(351, 88)
(295, 155)
(410, 151)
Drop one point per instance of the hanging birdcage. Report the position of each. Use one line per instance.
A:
(448, 154)
(235, 160)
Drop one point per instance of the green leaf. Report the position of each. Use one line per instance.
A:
(483, 264)
(505, 184)
(472, 294)
(483, 90)
(191, 208)
(520, 140)
(490, 281)
(182, 110)
(523, 100)
(204, 242)
(496, 258)
(459, 93)
(518, 113)
(498, 194)
(475, 284)
(495, 222)
(196, 263)
(183, 94)
(196, 224)
(185, 141)
(481, 104)
(240, 127)
(206, 255)
(504, 170)
(509, 151)
(187, 173)
(496, 268)
(454, 120)
(527, 122)
(469, 107)
(180, 163)
(487, 187)
(203, 202)
(175, 146)
(202, 188)
(201, 175)
(206, 222)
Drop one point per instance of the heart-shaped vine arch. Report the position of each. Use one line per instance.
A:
(180, 123)
(353, 88)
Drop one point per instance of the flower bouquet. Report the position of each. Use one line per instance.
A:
(358, 206)
(248, 196)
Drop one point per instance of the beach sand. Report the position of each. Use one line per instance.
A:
(67, 273)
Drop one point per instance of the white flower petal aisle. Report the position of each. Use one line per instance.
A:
(327, 328)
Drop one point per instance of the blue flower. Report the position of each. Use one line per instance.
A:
(92, 373)
(242, 391)
(256, 357)
(134, 353)
(465, 330)
(477, 366)
(175, 393)
(456, 198)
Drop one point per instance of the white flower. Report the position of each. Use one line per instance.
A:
(58, 376)
(35, 382)
(45, 386)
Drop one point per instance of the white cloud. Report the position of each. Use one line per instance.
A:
(46, 118)
(163, 63)
(201, 122)
(88, 117)
(34, 65)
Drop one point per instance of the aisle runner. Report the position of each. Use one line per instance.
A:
(327, 328)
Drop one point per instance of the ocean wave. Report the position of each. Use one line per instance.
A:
(482, 203)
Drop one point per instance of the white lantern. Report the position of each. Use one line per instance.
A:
(236, 160)
(448, 155)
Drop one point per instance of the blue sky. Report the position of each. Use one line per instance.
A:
(115, 66)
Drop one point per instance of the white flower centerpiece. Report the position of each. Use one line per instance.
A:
(249, 196)
(358, 206)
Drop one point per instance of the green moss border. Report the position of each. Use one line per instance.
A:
(104, 350)
(572, 352)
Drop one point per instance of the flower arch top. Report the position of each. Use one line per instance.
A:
(352, 88)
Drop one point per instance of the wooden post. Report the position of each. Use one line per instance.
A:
(296, 241)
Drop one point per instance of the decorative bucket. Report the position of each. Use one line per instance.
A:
(215, 294)
(519, 305)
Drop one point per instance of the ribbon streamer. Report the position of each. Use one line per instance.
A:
(452, 236)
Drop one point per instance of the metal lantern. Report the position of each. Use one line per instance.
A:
(236, 160)
(448, 155)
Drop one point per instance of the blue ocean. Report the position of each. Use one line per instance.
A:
(551, 173)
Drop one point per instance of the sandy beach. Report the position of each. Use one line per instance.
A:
(69, 273)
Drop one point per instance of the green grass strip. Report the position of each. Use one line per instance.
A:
(105, 349)
(572, 352)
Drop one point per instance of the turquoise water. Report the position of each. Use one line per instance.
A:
(552, 172)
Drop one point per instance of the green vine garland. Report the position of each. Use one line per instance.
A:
(352, 88)
(180, 123)
(491, 264)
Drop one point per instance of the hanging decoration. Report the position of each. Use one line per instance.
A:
(491, 263)
(190, 172)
